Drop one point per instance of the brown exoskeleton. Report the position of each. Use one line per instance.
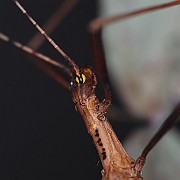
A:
(117, 164)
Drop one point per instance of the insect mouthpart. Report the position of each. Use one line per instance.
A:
(80, 79)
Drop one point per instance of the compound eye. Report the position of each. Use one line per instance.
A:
(77, 79)
(83, 78)
(80, 79)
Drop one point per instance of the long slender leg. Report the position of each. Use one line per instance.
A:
(166, 126)
(95, 29)
(63, 10)
(101, 68)
(51, 71)
(98, 23)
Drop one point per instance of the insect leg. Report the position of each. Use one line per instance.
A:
(101, 70)
(166, 126)
(57, 17)
(98, 23)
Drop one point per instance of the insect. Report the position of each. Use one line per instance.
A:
(82, 76)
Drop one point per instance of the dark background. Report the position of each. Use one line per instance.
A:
(41, 134)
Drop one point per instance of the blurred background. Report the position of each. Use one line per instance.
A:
(41, 134)
(143, 59)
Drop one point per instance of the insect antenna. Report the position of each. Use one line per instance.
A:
(47, 69)
(65, 56)
(34, 53)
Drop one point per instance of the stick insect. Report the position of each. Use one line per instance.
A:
(117, 164)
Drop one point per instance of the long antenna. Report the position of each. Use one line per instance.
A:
(66, 57)
(34, 53)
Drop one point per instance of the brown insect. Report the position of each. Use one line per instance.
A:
(117, 164)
